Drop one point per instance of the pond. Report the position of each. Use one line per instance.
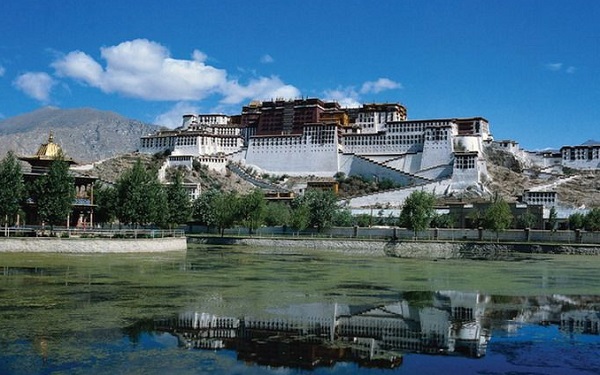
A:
(235, 310)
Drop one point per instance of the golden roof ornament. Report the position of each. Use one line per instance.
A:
(50, 149)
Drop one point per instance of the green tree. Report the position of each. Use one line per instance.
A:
(592, 220)
(576, 221)
(179, 208)
(526, 220)
(498, 216)
(343, 218)
(476, 219)
(105, 201)
(204, 209)
(54, 193)
(417, 211)
(443, 221)
(553, 219)
(12, 189)
(226, 210)
(277, 213)
(251, 209)
(322, 206)
(300, 216)
(140, 197)
(363, 220)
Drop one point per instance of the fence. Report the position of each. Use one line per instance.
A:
(434, 234)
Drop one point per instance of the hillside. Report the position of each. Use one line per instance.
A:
(109, 170)
(510, 178)
(85, 134)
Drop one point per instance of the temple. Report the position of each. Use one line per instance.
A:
(39, 164)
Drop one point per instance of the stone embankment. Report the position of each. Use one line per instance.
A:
(401, 249)
(92, 245)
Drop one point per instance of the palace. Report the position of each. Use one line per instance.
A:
(312, 137)
(317, 138)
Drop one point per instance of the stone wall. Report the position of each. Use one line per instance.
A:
(400, 249)
(92, 245)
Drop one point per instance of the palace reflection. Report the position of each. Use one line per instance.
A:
(434, 323)
(308, 336)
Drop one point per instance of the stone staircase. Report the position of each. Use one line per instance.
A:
(259, 183)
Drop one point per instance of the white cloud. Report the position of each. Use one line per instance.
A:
(80, 66)
(174, 116)
(261, 88)
(349, 97)
(36, 85)
(554, 66)
(2, 71)
(346, 97)
(267, 59)
(378, 86)
(144, 69)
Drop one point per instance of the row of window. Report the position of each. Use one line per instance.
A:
(581, 154)
(383, 140)
(154, 142)
(464, 163)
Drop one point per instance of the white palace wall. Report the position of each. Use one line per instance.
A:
(315, 152)
(396, 198)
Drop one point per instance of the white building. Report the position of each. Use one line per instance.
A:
(586, 156)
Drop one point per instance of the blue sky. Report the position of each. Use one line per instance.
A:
(532, 68)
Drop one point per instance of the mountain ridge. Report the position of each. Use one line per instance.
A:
(85, 134)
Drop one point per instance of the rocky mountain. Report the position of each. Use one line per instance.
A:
(85, 134)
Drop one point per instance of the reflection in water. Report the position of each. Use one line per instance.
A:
(309, 336)
(314, 335)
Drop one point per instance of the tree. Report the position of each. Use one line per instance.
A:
(12, 189)
(226, 210)
(498, 216)
(443, 221)
(592, 220)
(54, 193)
(203, 208)
(277, 213)
(300, 216)
(105, 201)
(363, 220)
(526, 220)
(343, 218)
(140, 197)
(553, 219)
(179, 207)
(476, 219)
(321, 206)
(417, 211)
(251, 209)
(576, 221)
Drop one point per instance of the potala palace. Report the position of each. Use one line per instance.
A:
(312, 137)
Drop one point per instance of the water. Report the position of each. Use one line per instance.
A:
(228, 310)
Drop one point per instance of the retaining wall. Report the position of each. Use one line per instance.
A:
(92, 245)
(401, 249)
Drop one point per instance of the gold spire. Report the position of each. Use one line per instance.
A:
(50, 149)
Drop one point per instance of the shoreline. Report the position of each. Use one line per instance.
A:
(400, 249)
